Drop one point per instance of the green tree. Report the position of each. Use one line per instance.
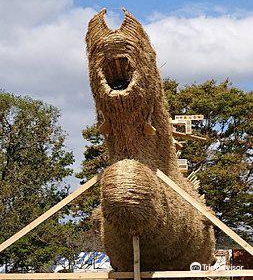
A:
(225, 159)
(96, 159)
(33, 166)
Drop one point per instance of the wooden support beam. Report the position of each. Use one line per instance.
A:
(188, 127)
(124, 275)
(186, 120)
(189, 117)
(45, 276)
(187, 136)
(203, 209)
(136, 250)
(183, 165)
(49, 213)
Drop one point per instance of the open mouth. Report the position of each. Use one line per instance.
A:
(118, 73)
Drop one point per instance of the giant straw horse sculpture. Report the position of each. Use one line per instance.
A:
(133, 118)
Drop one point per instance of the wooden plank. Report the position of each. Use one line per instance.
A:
(49, 213)
(188, 127)
(203, 209)
(136, 249)
(189, 117)
(42, 276)
(124, 275)
(193, 274)
(187, 136)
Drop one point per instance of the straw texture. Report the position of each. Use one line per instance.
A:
(133, 118)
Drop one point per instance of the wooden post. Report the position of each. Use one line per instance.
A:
(203, 209)
(49, 213)
(136, 249)
(187, 136)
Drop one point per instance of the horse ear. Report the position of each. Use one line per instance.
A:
(131, 26)
(97, 28)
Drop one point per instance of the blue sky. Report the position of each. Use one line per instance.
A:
(42, 49)
(145, 8)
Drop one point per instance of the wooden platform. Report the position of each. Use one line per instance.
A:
(124, 275)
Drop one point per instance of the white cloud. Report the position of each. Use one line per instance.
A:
(44, 57)
(31, 12)
(202, 48)
(42, 53)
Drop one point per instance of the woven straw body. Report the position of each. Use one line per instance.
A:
(133, 118)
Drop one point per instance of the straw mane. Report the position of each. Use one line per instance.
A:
(133, 118)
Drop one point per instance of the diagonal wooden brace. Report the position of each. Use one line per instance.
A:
(49, 213)
(203, 209)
